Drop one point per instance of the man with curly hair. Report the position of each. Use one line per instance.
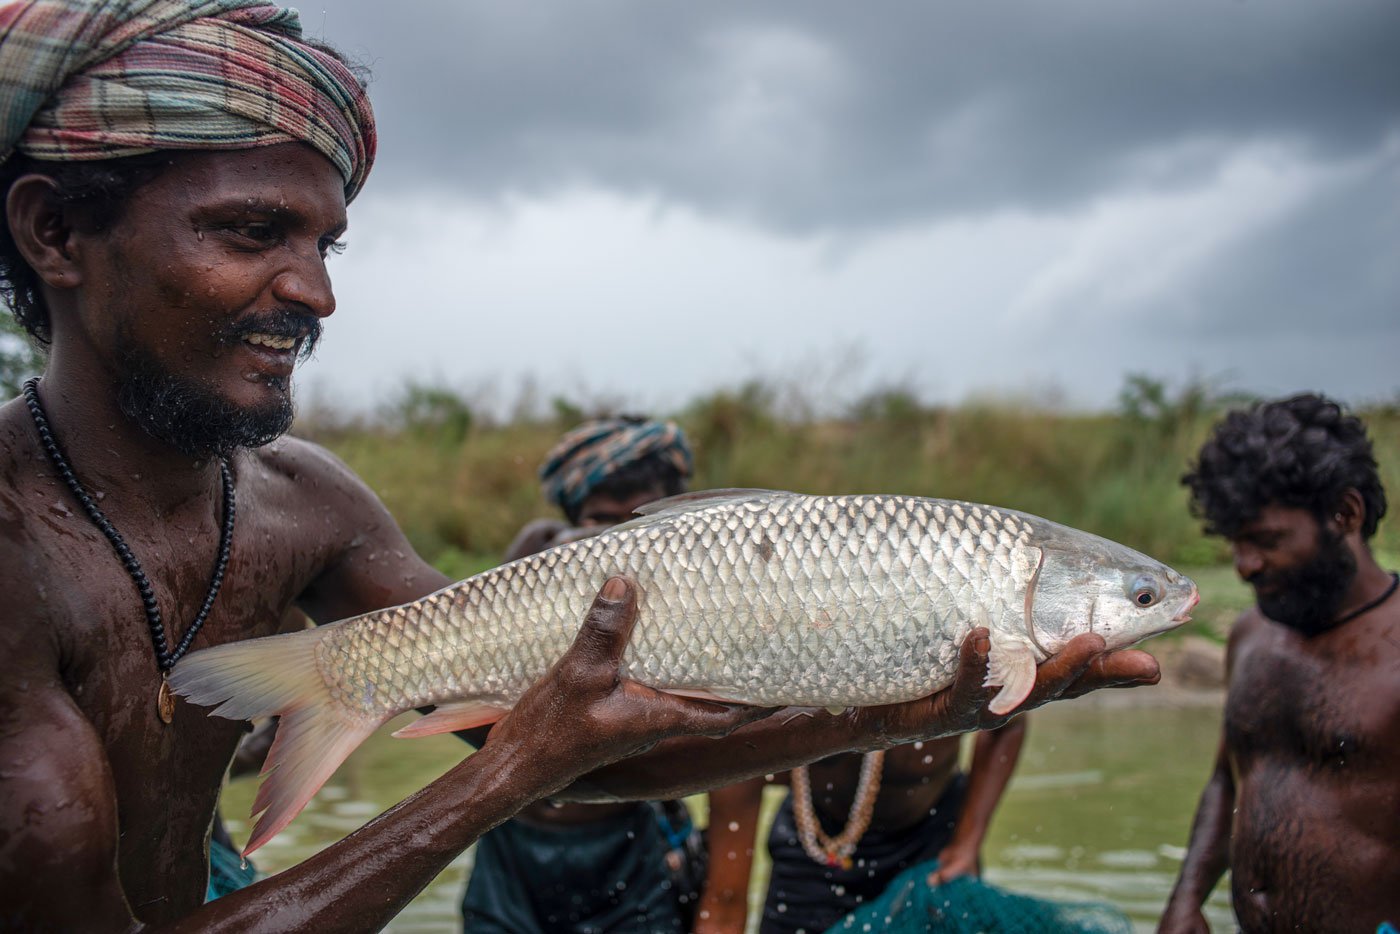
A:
(1303, 806)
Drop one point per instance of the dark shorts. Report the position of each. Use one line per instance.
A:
(591, 878)
(804, 896)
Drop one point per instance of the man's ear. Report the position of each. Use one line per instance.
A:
(43, 232)
(1350, 512)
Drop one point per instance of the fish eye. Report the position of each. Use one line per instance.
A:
(1144, 592)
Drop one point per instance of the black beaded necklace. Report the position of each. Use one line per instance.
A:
(1368, 607)
(165, 656)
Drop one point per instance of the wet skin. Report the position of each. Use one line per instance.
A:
(1304, 804)
(105, 811)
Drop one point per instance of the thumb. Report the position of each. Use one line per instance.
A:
(606, 628)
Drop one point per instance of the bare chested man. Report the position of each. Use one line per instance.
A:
(174, 175)
(1304, 805)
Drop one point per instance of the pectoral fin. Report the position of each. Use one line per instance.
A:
(462, 715)
(1011, 665)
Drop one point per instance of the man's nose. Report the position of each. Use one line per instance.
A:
(1248, 561)
(306, 282)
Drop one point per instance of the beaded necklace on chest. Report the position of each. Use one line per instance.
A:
(166, 657)
(838, 850)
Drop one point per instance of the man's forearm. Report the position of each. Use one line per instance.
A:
(1208, 853)
(689, 765)
(993, 762)
(361, 882)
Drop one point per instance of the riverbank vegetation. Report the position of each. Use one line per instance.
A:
(461, 484)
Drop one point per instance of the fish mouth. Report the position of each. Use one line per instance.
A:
(1184, 614)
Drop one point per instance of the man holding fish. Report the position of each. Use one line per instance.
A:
(174, 174)
(1303, 807)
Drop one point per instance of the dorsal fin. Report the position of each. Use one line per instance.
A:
(693, 502)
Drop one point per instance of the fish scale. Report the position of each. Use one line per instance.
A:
(752, 596)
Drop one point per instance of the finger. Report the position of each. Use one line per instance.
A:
(1063, 668)
(688, 715)
(602, 638)
(1123, 669)
(969, 692)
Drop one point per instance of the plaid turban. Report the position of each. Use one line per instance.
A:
(102, 79)
(594, 451)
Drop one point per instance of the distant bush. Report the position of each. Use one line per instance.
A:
(461, 488)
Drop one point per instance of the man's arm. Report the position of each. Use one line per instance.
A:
(58, 812)
(731, 839)
(1207, 855)
(1208, 852)
(994, 758)
(58, 803)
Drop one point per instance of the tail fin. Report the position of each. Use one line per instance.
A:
(277, 676)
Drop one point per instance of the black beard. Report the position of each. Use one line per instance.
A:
(1306, 598)
(185, 414)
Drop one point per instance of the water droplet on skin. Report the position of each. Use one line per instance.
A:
(733, 825)
(919, 745)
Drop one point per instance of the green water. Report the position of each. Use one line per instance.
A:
(1100, 809)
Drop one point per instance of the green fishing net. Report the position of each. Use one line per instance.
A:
(228, 872)
(971, 906)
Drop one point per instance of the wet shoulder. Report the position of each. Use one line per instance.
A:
(297, 476)
(31, 515)
(36, 516)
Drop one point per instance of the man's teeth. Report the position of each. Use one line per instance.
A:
(272, 341)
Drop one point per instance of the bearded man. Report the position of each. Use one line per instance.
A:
(1303, 807)
(174, 174)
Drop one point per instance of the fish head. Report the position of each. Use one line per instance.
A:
(1089, 584)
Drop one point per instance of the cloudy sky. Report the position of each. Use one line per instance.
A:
(641, 200)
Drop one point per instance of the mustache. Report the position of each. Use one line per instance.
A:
(279, 323)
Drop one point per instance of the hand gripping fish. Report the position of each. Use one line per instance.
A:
(750, 596)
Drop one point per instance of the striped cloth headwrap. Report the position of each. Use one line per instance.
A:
(594, 451)
(102, 79)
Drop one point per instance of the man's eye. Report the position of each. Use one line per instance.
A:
(258, 233)
(333, 246)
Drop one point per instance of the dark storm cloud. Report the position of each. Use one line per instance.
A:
(1330, 263)
(830, 115)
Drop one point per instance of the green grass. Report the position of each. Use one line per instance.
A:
(461, 488)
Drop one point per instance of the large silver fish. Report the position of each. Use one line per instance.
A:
(755, 596)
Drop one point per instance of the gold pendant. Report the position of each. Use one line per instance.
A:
(165, 702)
